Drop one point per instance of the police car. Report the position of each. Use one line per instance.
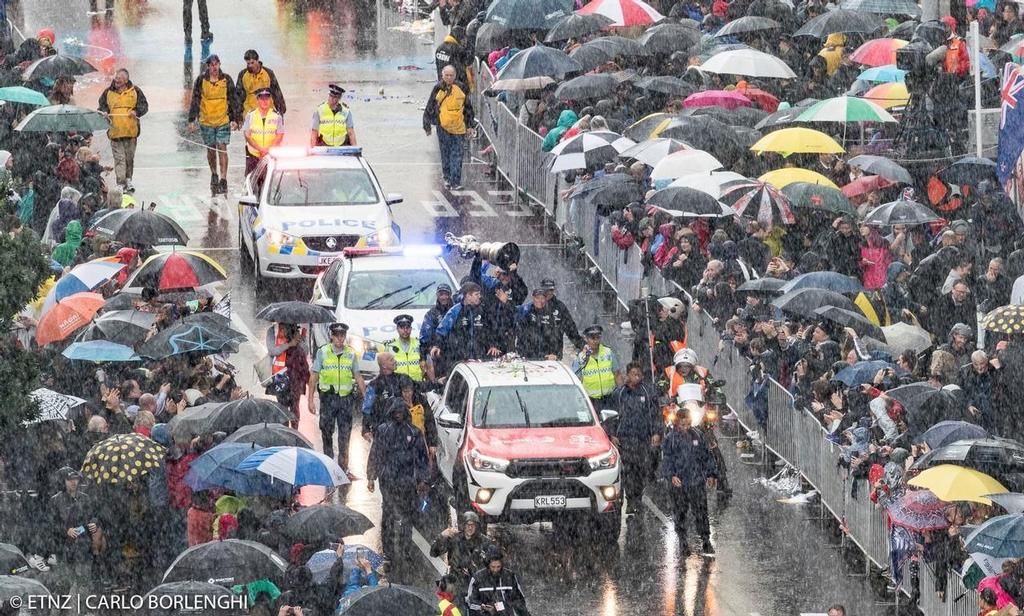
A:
(369, 287)
(302, 207)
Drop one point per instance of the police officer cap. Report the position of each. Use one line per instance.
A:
(338, 328)
(593, 331)
(403, 319)
(538, 292)
(547, 284)
(444, 288)
(263, 92)
(335, 89)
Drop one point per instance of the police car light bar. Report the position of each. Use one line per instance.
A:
(352, 251)
(344, 150)
(288, 152)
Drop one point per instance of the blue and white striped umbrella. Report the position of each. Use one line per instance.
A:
(297, 466)
(85, 277)
(320, 563)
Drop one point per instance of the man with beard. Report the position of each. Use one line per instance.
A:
(442, 304)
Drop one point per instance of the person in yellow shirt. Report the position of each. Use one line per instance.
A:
(123, 104)
(256, 77)
(215, 112)
(263, 129)
(450, 110)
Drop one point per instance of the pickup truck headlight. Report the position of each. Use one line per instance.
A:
(604, 461)
(487, 464)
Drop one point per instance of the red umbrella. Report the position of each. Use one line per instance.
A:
(717, 98)
(865, 184)
(918, 510)
(67, 316)
(623, 13)
(764, 100)
(878, 52)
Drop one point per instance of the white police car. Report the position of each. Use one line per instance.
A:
(302, 207)
(369, 287)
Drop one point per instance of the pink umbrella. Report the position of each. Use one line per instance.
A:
(717, 98)
(865, 184)
(624, 13)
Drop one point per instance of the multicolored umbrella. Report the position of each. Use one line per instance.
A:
(955, 483)
(878, 52)
(53, 405)
(889, 95)
(818, 197)
(797, 141)
(121, 459)
(717, 98)
(588, 151)
(648, 127)
(183, 269)
(759, 201)
(889, 73)
(100, 351)
(296, 466)
(781, 178)
(82, 278)
(705, 133)
(749, 63)
(1005, 320)
(919, 511)
(624, 13)
(845, 109)
(682, 163)
(653, 150)
(67, 316)
(711, 183)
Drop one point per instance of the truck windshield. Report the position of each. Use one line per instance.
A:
(535, 406)
(298, 187)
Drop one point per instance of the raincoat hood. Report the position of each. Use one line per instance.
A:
(70, 194)
(894, 270)
(836, 39)
(65, 253)
(397, 407)
(127, 255)
(566, 119)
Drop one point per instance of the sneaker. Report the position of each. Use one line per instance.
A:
(128, 187)
(223, 186)
(214, 182)
(36, 562)
(708, 550)
(457, 187)
(51, 559)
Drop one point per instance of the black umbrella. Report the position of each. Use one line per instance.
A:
(387, 599)
(63, 119)
(609, 195)
(227, 562)
(771, 9)
(127, 327)
(818, 197)
(708, 134)
(528, 14)
(883, 7)
(586, 87)
(295, 312)
(322, 524)
(905, 30)
(847, 318)
(904, 393)
(840, 20)
(233, 415)
(12, 560)
(491, 36)
(998, 457)
(1012, 502)
(969, 170)
(140, 226)
(948, 431)
(803, 302)
(192, 421)
(190, 337)
(590, 57)
(577, 26)
(762, 285)
(538, 61)
(747, 24)
(269, 435)
(208, 599)
(900, 212)
(56, 66)
(689, 203)
(19, 586)
(619, 46)
(666, 84)
(668, 37)
(784, 116)
(741, 116)
(119, 301)
(832, 281)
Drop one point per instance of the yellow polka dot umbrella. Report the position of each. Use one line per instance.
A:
(1005, 320)
(121, 459)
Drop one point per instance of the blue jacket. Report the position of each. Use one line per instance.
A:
(464, 333)
(358, 579)
(639, 412)
(685, 454)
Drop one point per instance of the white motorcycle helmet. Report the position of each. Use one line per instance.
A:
(685, 356)
(675, 308)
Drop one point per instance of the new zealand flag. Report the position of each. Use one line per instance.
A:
(1011, 122)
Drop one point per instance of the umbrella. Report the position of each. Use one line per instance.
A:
(956, 483)
(269, 435)
(803, 302)
(648, 126)
(760, 201)
(847, 318)
(491, 36)
(1005, 320)
(227, 562)
(1012, 502)
(53, 405)
(762, 285)
(295, 312)
(900, 212)
(588, 151)
(906, 337)
(119, 301)
(861, 372)
(684, 162)
(889, 95)
(127, 327)
(58, 65)
(100, 351)
(818, 197)
(717, 98)
(746, 117)
(388, 599)
(883, 7)
(904, 393)
(839, 20)
(845, 109)
(969, 170)
(586, 87)
(665, 84)
(208, 599)
(919, 511)
(121, 459)
(623, 13)
(590, 57)
(12, 560)
(608, 191)
(20, 586)
(833, 281)
(688, 203)
(192, 422)
(747, 24)
(63, 119)
(236, 414)
(669, 37)
(711, 183)
(878, 52)
(865, 184)
(218, 468)
(653, 150)
(784, 116)
(85, 277)
(140, 226)
(183, 269)
(882, 166)
(24, 96)
(749, 63)
(1001, 458)
(797, 140)
(883, 74)
(1000, 537)
(618, 46)
(67, 316)
(950, 431)
(781, 178)
(190, 337)
(704, 133)
(576, 26)
(904, 29)
(296, 466)
(528, 14)
(320, 563)
(322, 524)
(538, 62)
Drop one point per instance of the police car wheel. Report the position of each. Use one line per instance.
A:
(243, 251)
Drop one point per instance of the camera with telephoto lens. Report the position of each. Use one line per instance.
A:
(502, 254)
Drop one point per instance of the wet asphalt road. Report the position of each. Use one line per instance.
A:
(771, 561)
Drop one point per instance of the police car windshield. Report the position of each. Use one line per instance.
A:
(415, 289)
(531, 406)
(291, 187)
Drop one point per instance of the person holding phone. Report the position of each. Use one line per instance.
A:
(75, 528)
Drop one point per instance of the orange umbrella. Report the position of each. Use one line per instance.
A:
(66, 316)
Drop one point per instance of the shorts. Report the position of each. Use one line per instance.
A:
(214, 135)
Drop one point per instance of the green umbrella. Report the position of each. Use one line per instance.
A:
(21, 94)
(63, 119)
(845, 109)
(817, 197)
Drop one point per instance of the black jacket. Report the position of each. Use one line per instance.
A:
(537, 334)
(685, 454)
(234, 105)
(843, 253)
(275, 90)
(639, 412)
(465, 332)
(398, 454)
(487, 588)
(464, 555)
(380, 391)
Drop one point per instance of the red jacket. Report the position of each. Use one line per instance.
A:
(622, 238)
(200, 526)
(179, 492)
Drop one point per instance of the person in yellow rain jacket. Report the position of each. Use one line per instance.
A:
(832, 52)
(215, 112)
(449, 109)
(123, 103)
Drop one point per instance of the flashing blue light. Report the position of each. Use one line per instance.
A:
(425, 250)
(343, 150)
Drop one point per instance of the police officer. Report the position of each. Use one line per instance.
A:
(332, 121)
(597, 366)
(635, 431)
(398, 458)
(263, 129)
(561, 315)
(687, 463)
(465, 332)
(406, 349)
(466, 550)
(495, 591)
(334, 374)
(537, 336)
(385, 386)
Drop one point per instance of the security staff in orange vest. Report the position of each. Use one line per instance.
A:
(685, 370)
(332, 121)
(123, 104)
(263, 129)
(281, 337)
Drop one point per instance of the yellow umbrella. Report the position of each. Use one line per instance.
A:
(797, 141)
(957, 483)
(781, 178)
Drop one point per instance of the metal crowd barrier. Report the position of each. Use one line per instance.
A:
(793, 435)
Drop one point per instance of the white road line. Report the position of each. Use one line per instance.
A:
(657, 511)
(424, 547)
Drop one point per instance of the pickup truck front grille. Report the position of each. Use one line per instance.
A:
(548, 467)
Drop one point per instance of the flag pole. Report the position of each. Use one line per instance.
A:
(976, 69)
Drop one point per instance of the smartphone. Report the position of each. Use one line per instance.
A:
(362, 553)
